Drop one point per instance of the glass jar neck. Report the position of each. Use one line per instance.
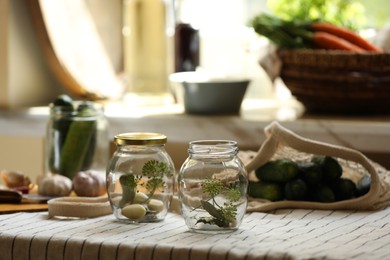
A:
(213, 148)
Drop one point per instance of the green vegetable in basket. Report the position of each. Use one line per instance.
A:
(285, 34)
(266, 190)
(318, 178)
(278, 171)
(331, 168)
(347, 13)
(322, 193)
(310, 172)
(343, 189)
(292, 34)
(295, 190)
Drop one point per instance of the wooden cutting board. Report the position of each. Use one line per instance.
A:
(28, 207)
(12, 201)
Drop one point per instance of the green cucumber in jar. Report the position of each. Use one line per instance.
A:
(63, 104)
(87, 109)
(78, 150)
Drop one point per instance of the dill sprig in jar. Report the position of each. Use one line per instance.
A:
(140, 178)
(212, 186)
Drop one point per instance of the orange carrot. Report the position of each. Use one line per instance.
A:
(331, 42)
(345, 34)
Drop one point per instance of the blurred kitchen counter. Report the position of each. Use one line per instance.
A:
(22, 133)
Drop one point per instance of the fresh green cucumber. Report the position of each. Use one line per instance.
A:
(322, 193)
(311, 173)
(343, 189)
(272, 191)
(282, 170)
(295, 190)
(331, 168)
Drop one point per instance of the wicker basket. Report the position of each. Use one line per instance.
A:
(338, 82)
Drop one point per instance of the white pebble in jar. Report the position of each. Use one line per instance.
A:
(155, 205)
(140, 197)
(134, 211)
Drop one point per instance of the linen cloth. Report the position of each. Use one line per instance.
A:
(280, 234)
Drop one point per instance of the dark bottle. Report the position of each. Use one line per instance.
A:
(186, 47)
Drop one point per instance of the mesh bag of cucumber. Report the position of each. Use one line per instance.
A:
(290, 171)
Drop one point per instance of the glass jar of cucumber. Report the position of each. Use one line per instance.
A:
(76, 137)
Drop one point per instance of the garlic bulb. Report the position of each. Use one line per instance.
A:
(14, 179)
(55, 185)
(89, 184)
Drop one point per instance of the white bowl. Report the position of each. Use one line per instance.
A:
(203, 93)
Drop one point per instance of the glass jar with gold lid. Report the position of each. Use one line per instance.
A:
(140, 177)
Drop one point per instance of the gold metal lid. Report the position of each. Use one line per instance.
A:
(140, 138)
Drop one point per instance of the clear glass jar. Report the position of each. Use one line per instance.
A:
(140, 178)
(76, 138)
(212, 186)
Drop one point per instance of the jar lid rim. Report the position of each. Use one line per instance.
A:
(140, 138)
(213, 147)
(214, 142)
